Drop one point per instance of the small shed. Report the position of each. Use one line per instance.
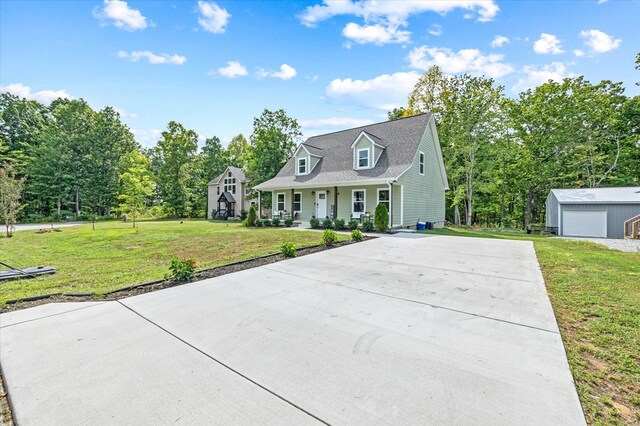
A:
(593, 212)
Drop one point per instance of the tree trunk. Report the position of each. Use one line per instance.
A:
(59, 207)
(529, 211)
(77, 201)
(502, 191)
(456, 215)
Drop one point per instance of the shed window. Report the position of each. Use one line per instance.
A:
(302, 166)
(297, 202)
(422, 163)
(280, 202)
(230, 185)
(363, 158)
(217, 190)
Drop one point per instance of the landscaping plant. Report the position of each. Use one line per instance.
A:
(353, 224)
(381, 218)
(329, 236)
(252, 216)
(288, 222)
(275, 221)
(367, 226)
(259, 223)
(339, 223)
(314, 222)
(182, 269)
(356, 235)
(288, 249)
(243, 214)
(327, 224)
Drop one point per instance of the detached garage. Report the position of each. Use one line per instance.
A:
(593, 212)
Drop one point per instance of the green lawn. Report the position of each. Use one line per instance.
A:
(114, 255)
(595, 293)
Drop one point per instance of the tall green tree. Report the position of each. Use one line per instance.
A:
(173, 154)
(239, 152)
(11, 188)
(136, 184)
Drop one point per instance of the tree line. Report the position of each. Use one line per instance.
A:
(503, 155)
(73, 161)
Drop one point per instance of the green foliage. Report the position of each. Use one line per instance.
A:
(381, 220)
(288, 222)
(10, 194)
(353, 224)
(356, 235)
(243, 214)
(136, 185)
(252, 216)
(275, 221)
(329, 236)
(326, 223)
(397, 113)
(288, 249)
(259, 223)
(182, 269)
(339, 223)
(314, 222)
(239, 152)
(367, 226)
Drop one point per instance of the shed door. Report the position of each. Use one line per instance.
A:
(584, 223)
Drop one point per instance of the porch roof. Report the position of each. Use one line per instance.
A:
(226, 196)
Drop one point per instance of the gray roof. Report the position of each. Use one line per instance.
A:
(400, 138)
(620, 195)
(238, 173)
(313, 150)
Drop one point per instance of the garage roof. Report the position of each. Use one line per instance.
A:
(621, 195)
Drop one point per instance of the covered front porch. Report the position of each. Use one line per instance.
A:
(337, 202)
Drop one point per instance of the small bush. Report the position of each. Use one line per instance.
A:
(356, 235)
(252, 216)
(275, 221)
(314, 222)
(367, 226)
(329, 236)
(182, 269)
(353, 224)
(288, 222)
(259, 223)
(339, 223)
(381, 218)
(327, 224)
(266, 222)
(243, 214)
(288, 249)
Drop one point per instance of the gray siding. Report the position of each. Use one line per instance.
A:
(314, 162)
(377, 152)
(616, 215)
(424, 195)
(362, 143)
(552, 210)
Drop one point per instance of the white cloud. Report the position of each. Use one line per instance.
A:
(213, 18)
(121, 15)
(435, 30)
(43, 96)
(335, 122)
(232, 70)
(547, 43)
(470, 61)
(578, 52)
(377, 33)
(286, 72)
(394, 12)
(599, 42)
(312, 78)
(152, 58)
(125, 114)
(385, 91)
(147, 137)
(499, 41)
(534, 76)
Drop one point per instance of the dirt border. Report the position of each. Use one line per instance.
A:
(133, 290)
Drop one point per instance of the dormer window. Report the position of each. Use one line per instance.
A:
(302, 166)
(363, 158)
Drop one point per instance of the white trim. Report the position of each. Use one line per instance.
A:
(363, 133)
(294, 202)
(358, 151)
(401, 205)
(388, 189)
(436, 142)
(421, 163)
(317, 203)
(314, 185)
(284, 201)
(306, 166)
(353, 191)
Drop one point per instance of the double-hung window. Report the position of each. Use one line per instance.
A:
(383, 197)
(302, 166)
(358, 202)
(280, 202)
(363, 158)
(297, 202)
(422, 163)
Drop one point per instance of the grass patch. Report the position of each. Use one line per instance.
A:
(114, 255)
(595, 293)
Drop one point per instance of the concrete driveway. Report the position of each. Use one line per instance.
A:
(438, 330)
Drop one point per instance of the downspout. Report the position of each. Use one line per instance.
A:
(259, 205)
(390, 183)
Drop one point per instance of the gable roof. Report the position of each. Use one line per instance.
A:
(313, 150)
(620, 195)
(400, 138)
(237, 172)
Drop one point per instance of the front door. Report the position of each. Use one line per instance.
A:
(321, 204)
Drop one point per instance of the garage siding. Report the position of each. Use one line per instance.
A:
(616, 215)
(552, 210)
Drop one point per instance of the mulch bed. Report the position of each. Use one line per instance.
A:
(15, 305)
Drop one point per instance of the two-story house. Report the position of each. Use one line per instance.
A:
(227, 194)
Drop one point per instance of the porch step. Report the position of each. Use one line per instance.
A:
(402, 231)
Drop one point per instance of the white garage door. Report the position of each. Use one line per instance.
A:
(584, 223)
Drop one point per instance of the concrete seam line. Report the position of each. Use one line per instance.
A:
(226, 366)
(53, 315)
(417, 301)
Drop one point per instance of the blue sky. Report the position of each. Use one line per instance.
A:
(213, 66)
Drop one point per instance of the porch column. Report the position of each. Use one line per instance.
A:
(390, 205)
(335, 203)
(259, 205)
(291, 211)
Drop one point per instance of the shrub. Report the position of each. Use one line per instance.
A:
(266, 222)
(367, 226)
(381, 218)
(259, 223)
(339, 223)
(288, 222)
(275, 221)
(314, 222)
(252, 216)
(288, 249)
(356, 235)
(182, 269)
(326, 224)
(353, 224)
(243, 214)
(329, 236)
